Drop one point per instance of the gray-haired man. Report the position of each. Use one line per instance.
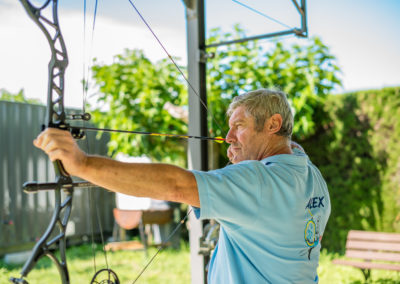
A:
(272, 203)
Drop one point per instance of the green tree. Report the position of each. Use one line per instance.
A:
(135, 91)
(307, 73)
(18, 97)
(359, 156)
(133, 95)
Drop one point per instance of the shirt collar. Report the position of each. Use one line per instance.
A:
(298, 158)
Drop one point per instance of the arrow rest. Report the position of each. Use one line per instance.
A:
(77, 133)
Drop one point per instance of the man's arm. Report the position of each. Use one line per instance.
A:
(158, 181)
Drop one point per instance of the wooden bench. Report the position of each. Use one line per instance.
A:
(373, 250)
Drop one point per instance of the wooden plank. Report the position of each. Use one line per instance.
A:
(160, 217)
(368, 265)
(378, 246)
(373, 255)
(129, 245)
(373, 236)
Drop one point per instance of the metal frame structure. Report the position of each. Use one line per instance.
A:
(198, 151)
(57, 118)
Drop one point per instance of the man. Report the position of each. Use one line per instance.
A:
(272, 203)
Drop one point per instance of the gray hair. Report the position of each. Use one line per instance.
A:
(262, 104)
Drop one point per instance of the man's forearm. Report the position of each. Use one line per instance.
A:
(158, 181)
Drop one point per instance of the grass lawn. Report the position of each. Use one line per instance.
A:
(170, 266)
(332, 273)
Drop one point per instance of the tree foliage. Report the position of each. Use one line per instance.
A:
(18, 97)
(133, 94)
(358, 153)
(353, 138)
(136, 90)
(307, 73)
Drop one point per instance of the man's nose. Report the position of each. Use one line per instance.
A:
(230, 137)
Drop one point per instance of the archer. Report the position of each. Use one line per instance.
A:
(269, 231)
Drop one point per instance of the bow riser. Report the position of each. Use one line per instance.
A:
(55, 117)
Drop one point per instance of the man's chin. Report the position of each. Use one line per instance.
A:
(236, 160)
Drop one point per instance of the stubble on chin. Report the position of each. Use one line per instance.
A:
(236, 159)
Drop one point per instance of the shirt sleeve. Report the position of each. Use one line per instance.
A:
(231, 194)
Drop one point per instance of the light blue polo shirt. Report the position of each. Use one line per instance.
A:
(272, 214)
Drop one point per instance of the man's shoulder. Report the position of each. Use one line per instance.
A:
(246, 168)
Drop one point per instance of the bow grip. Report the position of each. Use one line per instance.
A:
(58, 166)
(60, 170)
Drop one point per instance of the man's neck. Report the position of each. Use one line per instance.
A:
(278, 145)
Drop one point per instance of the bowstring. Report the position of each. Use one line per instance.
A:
(181, 222)
(202, 103)
(261, 14)
(87, 144)
(86, 71)
(177, 67)
(85, 85)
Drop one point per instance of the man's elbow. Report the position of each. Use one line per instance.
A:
(186, 191)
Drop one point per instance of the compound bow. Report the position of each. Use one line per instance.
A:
(56, 118)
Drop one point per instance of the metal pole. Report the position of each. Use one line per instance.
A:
(197, 155)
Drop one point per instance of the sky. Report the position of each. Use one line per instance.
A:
(363, 35)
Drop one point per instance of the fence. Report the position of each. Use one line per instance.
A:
(24, 217)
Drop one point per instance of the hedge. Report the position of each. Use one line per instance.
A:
(357, 150)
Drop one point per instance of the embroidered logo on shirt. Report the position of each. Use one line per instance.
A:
(315, 202)
(312, 235)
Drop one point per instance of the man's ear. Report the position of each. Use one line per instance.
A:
(274, 123)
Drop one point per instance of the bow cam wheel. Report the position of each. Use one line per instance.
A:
(105, 276)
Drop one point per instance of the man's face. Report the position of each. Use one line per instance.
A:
(246, 142)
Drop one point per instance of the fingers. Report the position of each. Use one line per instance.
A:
(60, 145)
(54, 142)
(49, 133)
(56, 154)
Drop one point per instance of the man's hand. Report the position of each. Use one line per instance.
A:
(60, 145)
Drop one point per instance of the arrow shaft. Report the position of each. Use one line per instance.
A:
(217, 139)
